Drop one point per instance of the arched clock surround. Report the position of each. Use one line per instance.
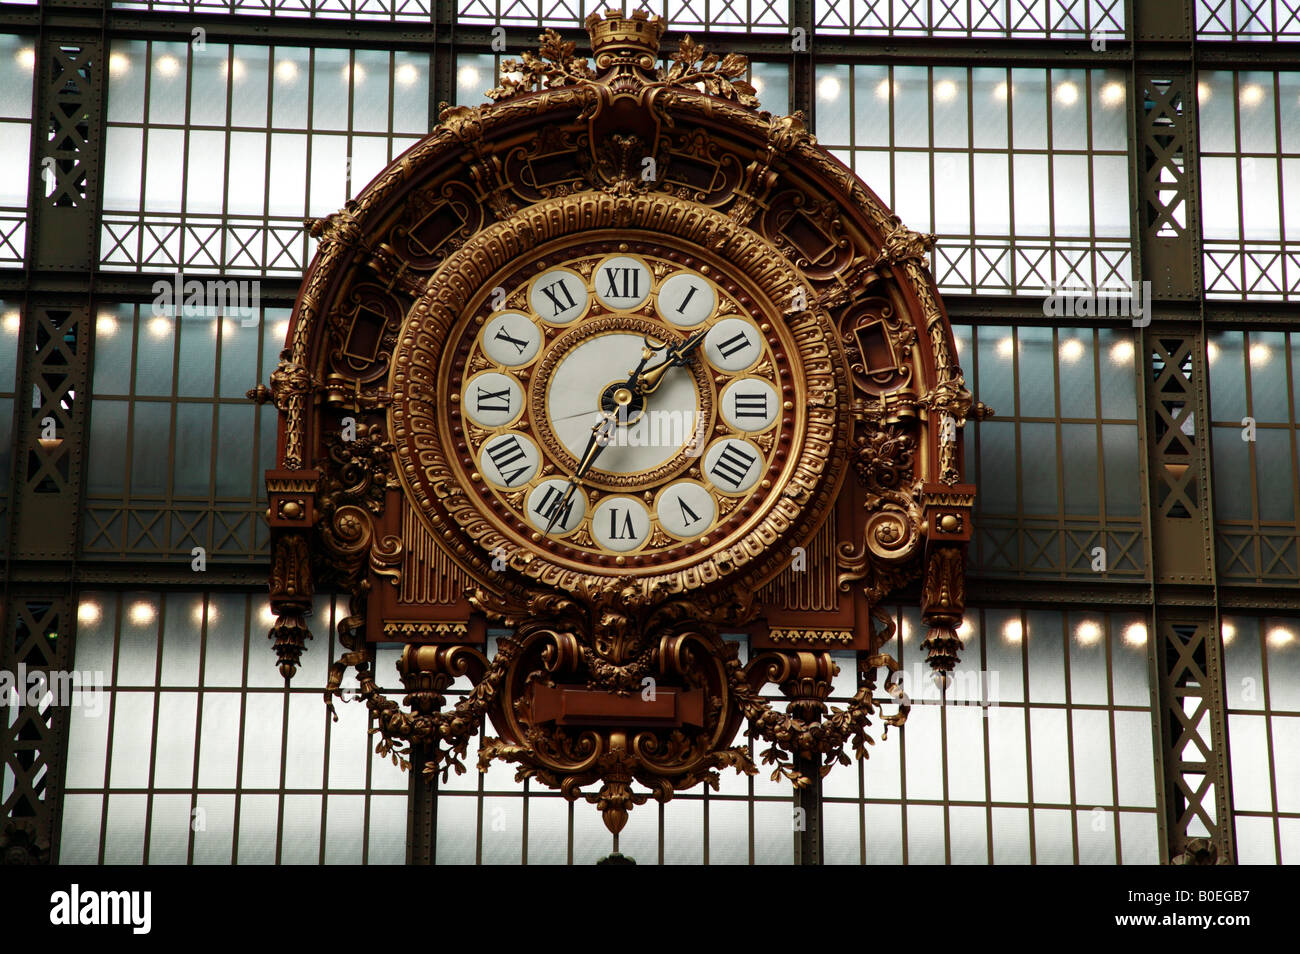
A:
(616, 673)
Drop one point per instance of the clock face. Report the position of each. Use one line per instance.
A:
(620, 405)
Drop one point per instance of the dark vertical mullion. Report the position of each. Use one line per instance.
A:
(1059, 428)
(370, 765)
(943, 775)
(286, 703)
(970, 176)
(1048, 91)
(206, 603)
(160, 625)
(112, 720)
(1241, 185)
(239, 744)
(988, 771)
(1295, 451)
(902, 745)
(1069, 734)
(145, 116)
(1108, 636)
(129, 475)
(1011, 196)
(270, 138)
(1029, 737)
(331, 638)
(1268, 741)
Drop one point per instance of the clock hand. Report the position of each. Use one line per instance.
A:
(599, 438)
(647, 353)
(678, 355)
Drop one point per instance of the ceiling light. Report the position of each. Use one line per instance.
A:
(160, 327)
(1260, 353)
(118, 64)
(12, 322)
(88, 612)
(1000, 91)
(1211, 352)
(1121, 352)
(1252, 94)
(1013, 631)
(1228, 632)
(234, 68)
(1067, 93)
(1112, 94)
(106, 326)
(829, 88)
(168, 65)
(1135, 634)
(1072, 350)
(1087, 633)
(1280, 636)
(286, 71)
(27, 58)
(142, 614)
(467, 77)
(945, 90)
(1006, 347)
(1203, 93)
(406, 74)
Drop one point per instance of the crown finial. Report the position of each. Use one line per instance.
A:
(618, 37)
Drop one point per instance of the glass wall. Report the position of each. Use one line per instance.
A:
(17, 66)
(1021, 173)
(178, 451)
(214, 157)
(1250, 183)
(189, 748)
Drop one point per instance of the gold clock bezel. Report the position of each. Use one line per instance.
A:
(431, 455)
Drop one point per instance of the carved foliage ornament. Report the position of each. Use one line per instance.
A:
(589, 364)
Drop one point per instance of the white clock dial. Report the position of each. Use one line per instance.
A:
(733, 344)
(492, 399)
(622, 282)
(686, 509)
(732, 465)
(750, 404)
(509, 460)
(686, 300)
(620, 523)
(559, 296)
(511, 339)
(544, 503)
(650, 438)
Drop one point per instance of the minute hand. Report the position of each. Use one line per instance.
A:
(677, 356)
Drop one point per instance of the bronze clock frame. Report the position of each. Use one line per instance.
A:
(616, 673)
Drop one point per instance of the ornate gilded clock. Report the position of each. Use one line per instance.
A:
(619, 365)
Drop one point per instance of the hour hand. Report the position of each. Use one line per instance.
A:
(677, 356)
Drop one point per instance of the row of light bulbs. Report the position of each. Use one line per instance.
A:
(286, 71)
(1090, 632)
(1121, 352)
(945, 90)
(1112, 93)
(1087, 632)
(160, 327)
(144, 613)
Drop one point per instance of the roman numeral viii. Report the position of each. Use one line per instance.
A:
(733, 464)
(505, 453)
